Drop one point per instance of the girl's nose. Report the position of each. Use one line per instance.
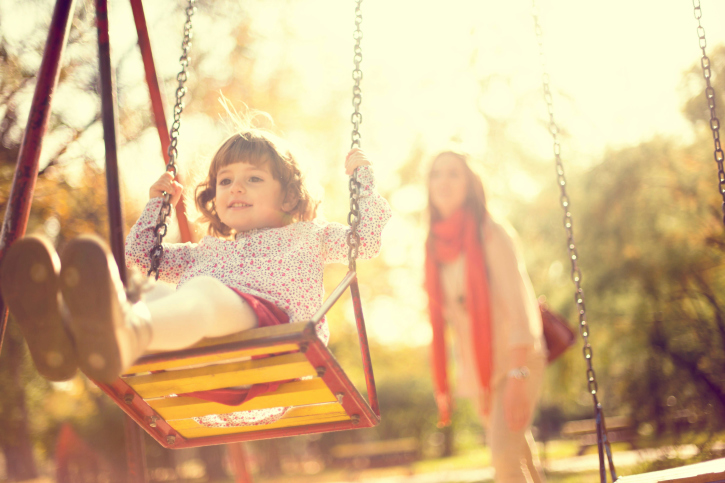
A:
(238, 187)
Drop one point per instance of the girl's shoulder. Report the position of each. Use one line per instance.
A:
(318, 224)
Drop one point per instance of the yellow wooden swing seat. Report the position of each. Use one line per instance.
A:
(321, 397)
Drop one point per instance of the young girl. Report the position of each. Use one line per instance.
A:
(261, 264)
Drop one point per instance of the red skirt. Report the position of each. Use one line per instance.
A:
(267, 314)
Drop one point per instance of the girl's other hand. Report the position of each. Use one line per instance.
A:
(166, 183)
(356, 157)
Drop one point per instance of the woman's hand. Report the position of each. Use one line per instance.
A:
(356, 157)
(517, 407)
(166, 183)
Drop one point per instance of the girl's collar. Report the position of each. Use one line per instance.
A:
(245, 234)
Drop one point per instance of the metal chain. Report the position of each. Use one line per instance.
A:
(353, 217)
(576, 274)
(157, 252)
(710, 95)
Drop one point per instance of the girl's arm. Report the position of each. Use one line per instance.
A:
(141, 238)
(374, 214)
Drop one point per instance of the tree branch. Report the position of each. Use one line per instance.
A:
(659, 341)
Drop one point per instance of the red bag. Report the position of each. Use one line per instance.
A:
(559, 336)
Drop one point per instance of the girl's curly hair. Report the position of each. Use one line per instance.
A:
(256, 147)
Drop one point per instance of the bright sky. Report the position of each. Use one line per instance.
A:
(616, 70)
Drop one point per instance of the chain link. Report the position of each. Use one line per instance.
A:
(357, 75)
(157, 252)
(710, 95)
(576, 274)
(353, 217)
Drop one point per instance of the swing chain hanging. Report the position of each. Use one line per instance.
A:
(157, 252)
(353, 217)
(710, 95)
(576, 274)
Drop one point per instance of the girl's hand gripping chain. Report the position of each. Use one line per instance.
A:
(166, 183)
(356, 157)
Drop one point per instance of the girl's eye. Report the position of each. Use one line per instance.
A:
(224, 182)
(255, 179)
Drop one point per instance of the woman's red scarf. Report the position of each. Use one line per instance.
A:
(458, 233)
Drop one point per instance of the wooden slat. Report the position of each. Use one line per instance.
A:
(208, 359)
(706, 472)
(297, 393)
(247, 337)
(300, 416)
(277, 368)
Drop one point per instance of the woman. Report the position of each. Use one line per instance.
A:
(477, 283)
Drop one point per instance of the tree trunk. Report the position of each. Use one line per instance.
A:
(268, 451)
(213, 458)
(448, 441)
(15, 440)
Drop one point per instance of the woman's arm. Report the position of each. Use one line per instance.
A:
(521, 315)
(516, 294)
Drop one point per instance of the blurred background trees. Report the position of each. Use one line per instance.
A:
(647, 221)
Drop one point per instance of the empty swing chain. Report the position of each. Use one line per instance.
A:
(576, 274)
(353, 217)
(157, 252)
(710, 94)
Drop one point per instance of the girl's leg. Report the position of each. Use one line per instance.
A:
(202, 307)
(111, 333)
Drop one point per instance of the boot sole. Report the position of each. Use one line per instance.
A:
(29, 283)
(90, 285)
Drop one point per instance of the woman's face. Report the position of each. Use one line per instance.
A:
(448, 184)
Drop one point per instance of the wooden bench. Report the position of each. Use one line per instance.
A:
(707, 472)
(619, 429)
(376, 454)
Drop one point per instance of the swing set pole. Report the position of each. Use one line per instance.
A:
(109, 117)
(135, 448)
(157, 106)
(17, 211)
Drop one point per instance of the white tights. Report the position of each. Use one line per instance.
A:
(202, 307)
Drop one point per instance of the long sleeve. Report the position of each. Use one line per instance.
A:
(374, 214)
(511, 284)
(140, 241)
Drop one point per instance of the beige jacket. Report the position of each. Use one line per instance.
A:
(515, 316)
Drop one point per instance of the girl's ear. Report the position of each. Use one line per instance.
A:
(290, 202)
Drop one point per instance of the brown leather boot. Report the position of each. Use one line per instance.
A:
(29, 284)
(109, 331)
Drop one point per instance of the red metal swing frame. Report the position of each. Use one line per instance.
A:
(18, 212)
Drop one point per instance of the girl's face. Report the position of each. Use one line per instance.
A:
(248, 197)
(448, 187)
